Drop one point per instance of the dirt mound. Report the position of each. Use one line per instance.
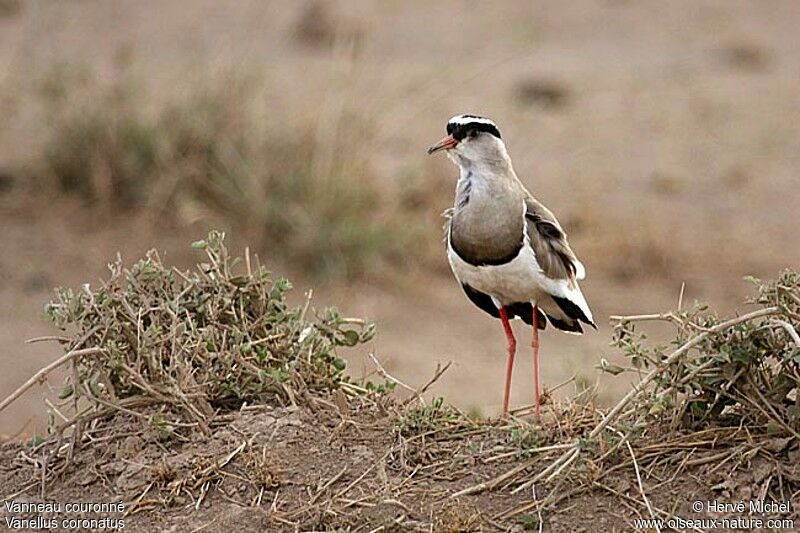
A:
(330, 466)
(200, 401)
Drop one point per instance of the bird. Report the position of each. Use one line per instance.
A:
(505, 248)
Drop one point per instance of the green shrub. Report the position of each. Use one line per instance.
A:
(195, 343)
(746, 369)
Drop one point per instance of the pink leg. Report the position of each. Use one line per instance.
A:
(512, 349)
(535, 345)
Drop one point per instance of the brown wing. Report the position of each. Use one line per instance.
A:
(549, 242)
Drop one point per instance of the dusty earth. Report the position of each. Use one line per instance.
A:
(355, 467)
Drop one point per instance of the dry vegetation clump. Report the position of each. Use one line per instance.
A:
(542, 92)
(723, 398)
(177, 348)
(711, 418)
(217, 151)
(316, 26)
(747, 371)
(10, 8)
(746, 56)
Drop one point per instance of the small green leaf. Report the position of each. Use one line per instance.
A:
(278, 375)
(35, 441)
(529, 522)
(611, 368)
(351, 337)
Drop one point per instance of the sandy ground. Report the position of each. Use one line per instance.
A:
(671, 154)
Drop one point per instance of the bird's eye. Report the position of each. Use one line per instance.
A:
(473, 133)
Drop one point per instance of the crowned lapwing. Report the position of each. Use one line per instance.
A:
(507, 250)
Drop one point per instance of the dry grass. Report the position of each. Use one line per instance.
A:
(306, 189)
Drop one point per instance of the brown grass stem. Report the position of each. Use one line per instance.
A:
(40, 375)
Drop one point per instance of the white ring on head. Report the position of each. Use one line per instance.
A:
(463, 119)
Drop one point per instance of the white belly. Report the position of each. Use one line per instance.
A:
(520, 280)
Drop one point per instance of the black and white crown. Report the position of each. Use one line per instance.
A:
(461, 125)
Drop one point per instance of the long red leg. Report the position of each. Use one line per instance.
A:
(512, 350)
(535, 345)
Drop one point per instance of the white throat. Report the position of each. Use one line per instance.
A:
(499, 163)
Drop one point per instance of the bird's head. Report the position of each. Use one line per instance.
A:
(472, 140)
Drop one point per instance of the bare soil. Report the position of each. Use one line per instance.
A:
(332, 465)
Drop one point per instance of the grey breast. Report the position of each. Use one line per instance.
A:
(487, 222)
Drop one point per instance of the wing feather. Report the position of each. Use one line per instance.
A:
(549, 243)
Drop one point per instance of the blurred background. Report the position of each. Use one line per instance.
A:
(665, 137)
